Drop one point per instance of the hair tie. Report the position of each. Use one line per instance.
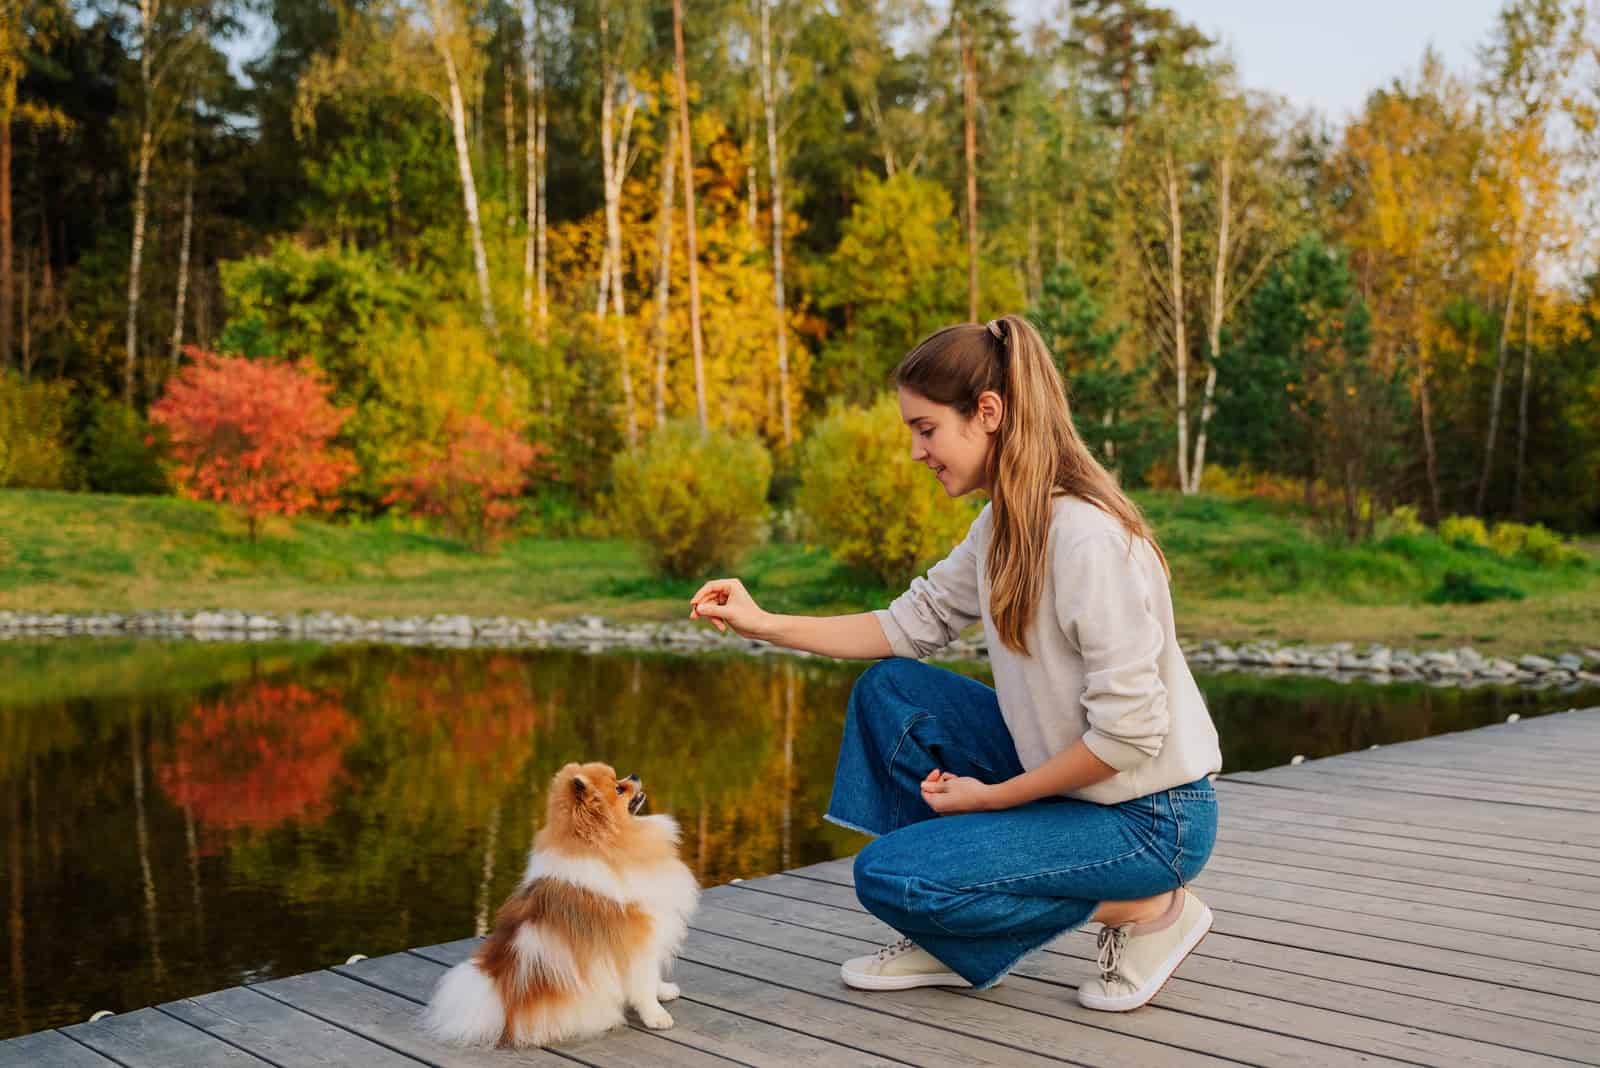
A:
(997, 327)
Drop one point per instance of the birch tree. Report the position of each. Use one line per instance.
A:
(169, 35)
(771, 91)
(619, 105)
(686, 147)
(428, 47)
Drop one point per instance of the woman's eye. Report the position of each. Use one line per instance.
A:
(928, 433)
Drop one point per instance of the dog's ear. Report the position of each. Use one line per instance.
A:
(580, 786)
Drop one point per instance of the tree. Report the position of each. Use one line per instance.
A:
(896, 274)
(386, 50)
(253, 434)
(1528, 59)
(771, 90)
(469, 477)
(1104, 395)
(1402, 171)
(172, 34)
(686, 146)
(24, 25)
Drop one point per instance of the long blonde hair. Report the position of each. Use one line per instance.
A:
(1036, 453)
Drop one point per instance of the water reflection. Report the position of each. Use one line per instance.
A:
(179, 818)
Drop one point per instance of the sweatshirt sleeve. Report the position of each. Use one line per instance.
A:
(937, 607)
(1103, 606)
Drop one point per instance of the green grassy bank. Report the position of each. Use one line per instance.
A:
(1240, 569)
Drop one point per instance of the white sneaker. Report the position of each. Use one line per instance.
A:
(900, 966)
(1137, 959)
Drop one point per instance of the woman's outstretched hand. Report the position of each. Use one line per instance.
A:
(949, 794)
(726, 603)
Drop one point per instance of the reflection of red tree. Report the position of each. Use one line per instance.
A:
(270, 753)
(480, 713)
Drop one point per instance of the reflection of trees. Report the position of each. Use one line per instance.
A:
(264, 754)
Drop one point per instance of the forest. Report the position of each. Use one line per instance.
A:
(539, 231)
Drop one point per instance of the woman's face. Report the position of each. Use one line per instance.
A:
(954, 448)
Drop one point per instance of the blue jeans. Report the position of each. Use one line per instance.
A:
(981, 890)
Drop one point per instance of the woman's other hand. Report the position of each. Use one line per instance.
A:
(726, 603)
(949, 794)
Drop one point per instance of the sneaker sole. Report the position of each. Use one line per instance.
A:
(900, 982)
(1129, 1002)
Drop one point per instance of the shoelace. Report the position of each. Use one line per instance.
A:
(1110, 945)
(895, 949)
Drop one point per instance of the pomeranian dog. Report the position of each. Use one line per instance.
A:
(599, 916)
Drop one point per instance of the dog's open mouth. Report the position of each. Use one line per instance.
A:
(635, 803)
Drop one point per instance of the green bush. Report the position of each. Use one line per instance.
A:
(1536, 543)
(1464, 530)
(695, 501)
(1463, 587)
(117, 457)
(1403, 520)
(33, 451)
(865, 500)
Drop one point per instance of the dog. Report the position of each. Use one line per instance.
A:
(598, 918)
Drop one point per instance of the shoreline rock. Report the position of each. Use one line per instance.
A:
(1338, 661)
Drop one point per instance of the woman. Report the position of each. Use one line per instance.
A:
(1077, 789)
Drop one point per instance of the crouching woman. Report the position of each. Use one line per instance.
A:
(1074, 791)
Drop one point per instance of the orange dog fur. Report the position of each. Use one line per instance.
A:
(599, 915)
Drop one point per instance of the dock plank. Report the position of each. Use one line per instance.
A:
(281, 1033)
(49, 1049)
(150, 1038)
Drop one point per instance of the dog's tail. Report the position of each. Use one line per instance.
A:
(465, 1008)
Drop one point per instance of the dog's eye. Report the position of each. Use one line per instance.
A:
(621, 789)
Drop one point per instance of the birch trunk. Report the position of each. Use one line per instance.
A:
(969, 100)
(1180, 336)
(614, 164)
(469, 189)
(1495, 391)
(536, 315)
(669, 166)
(1219, 275)
(1429, 454)
(686, 146)
(7, 253)
(180, 302)
(509, 98)
(775, 170)
(1522, 408)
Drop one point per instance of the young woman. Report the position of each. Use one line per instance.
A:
(1077, 788)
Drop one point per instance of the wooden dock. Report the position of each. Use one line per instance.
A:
(1434, 902)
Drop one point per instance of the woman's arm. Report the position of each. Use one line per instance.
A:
(1071, 769)
(726, 603)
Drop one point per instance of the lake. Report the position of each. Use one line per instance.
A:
(179, 817)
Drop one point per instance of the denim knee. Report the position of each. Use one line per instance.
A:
(884, 680)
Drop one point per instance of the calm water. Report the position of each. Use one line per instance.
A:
(177, 818)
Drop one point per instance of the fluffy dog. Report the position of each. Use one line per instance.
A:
(601, 911)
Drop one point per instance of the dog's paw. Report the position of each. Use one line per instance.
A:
(667, 991)
(656, 1018)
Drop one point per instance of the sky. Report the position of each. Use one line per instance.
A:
(1327, 55)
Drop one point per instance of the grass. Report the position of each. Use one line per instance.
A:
(1241, 569)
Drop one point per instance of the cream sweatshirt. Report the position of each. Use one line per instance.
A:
(1105, 665)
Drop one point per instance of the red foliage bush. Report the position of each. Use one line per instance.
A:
(253, 434)
(467, 478)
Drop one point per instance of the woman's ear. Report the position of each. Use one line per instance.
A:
(991, 410)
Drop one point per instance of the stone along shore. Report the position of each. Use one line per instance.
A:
(1341, 660)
